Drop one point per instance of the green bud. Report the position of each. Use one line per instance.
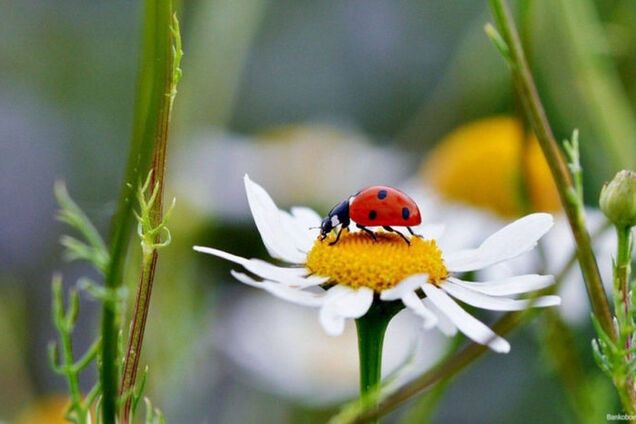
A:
(618, 199)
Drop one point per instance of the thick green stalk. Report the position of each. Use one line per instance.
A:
(154, 70)
(370, 340)
(445, 370)
(526, 88)
(371, 328)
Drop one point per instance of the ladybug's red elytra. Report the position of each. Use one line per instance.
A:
(376, 206)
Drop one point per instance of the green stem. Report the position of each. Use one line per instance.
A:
(151, 96)
(138, 326)
(623, 268)
(622, 306)
(442, 371)
(527, 90)
(370, 339)
(371, 328)
(168, 42)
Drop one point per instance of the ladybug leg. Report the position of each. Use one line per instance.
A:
(393, 230)
(413, 234)
(366, 230)
(338, 236)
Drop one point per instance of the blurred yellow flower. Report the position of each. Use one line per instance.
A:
(49, 410)
(481, 163)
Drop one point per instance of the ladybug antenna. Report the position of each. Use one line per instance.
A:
(314, 228)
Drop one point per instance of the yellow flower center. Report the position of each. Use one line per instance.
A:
(485, 164)
(359, 261)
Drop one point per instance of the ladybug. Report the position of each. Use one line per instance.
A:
(372, 207)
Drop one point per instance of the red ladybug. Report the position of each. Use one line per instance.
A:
(373, 207)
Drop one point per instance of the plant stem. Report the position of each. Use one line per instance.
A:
(526, 88)
(596, 78)
(149, 100)
(557, 341)
(444, 370)
(370, 339)
(623, 268)
(135, 340)
(623, 381)
(371, 328)
(165, 32)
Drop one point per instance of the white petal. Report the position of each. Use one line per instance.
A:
(332, 323)
(445, 325)
(293, 277)
(414, 303)
(307, 223)
(507, 243)
(508, 286)
(307, 216)
(300, 236)
(297, 296)
(484, 301)
(405, 286)
(343, 302)
(348, 302)
(466, 323)
(266, 215)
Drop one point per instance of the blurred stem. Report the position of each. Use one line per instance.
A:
(64, 328)
(371, 328)
(424, 408)
(221, 34)
(598, 81)
(558, 342)
(150, 99)
(511, 48)
(64, 321)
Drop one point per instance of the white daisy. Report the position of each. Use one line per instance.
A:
(342, 280)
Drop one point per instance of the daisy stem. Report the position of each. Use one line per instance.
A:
(510, 45)
(371, 328)
(443, 371)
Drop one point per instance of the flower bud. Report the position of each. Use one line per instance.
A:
(618, 199)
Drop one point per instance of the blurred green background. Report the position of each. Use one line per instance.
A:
(368, 87)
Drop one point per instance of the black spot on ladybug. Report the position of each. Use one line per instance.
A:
(373, 215)
(382, 194)
(406, 213)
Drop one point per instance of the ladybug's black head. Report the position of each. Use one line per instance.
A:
(325, 227)
(339, 215)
